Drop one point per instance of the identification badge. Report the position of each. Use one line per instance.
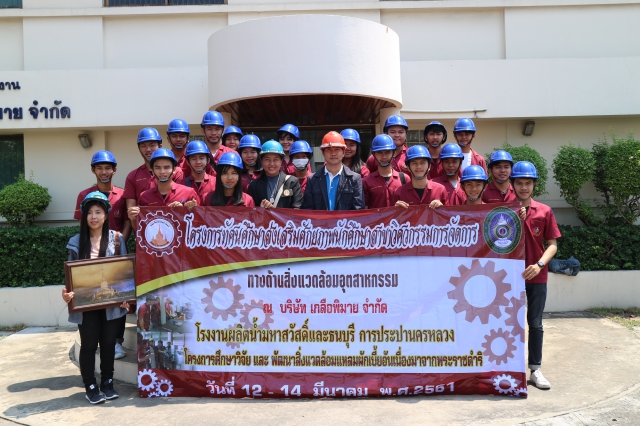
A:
(286, 192)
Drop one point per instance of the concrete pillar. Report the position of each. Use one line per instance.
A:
(384, 114)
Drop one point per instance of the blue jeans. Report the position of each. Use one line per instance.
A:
(536, 298)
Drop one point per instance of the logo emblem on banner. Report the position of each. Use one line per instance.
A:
(502, 230)
(159, 233)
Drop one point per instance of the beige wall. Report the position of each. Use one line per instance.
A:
(11, 45)
(447, 34)
(369, 15)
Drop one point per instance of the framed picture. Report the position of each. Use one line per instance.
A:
(100, 283)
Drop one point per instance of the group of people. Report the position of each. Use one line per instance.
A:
(230, 169)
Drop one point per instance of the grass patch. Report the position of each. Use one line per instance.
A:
(629, 317)
(13, 328)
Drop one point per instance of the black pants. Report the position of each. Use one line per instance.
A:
(536, 298)
(122, 324)
(94, 330)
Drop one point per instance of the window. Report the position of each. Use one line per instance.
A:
(11, 158)
(115, 3)
(11, 3)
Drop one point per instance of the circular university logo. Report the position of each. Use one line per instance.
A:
(158, 233)
(502, 230)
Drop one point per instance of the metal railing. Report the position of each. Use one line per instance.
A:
(117, 3)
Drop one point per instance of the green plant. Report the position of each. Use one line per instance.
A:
(604, 247)
(33, 256)
(526, 153)
(572, 168)
(622, 179)
(23, 201)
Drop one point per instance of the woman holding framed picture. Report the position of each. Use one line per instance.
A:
(96, 326)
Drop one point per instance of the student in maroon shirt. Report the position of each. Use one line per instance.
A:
(249, 150)
(540, 227)
(301, 154)
(141, 179)
(435, 135)
(166, 192)
(228, 190)
(420, 190)
(473, 182)
(451, 158)
(464, 130)
(500, 189)
(178, 137)
(396, 127)
(212, 126)
(231, 137)
(353, 154)
(197, 155)
(380, 186)
(286, 136)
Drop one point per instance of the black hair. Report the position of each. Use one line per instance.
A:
(356, 160)
(217, 198)
(85, 234)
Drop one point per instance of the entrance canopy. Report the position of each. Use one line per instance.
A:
(309, 70)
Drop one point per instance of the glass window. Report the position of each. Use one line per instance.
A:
(11, 3)
(11, 158)
(115, 3)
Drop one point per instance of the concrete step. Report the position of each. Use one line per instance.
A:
(125, 369)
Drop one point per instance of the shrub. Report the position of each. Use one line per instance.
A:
(605, 247)
(572, 168)
(33, 256)
(622, 179)
(23, 201)
(526, 153)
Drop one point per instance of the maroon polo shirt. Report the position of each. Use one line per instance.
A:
(408, 194)
(118, 213)
(141, 179)
(247, 179)
(478, 160)
(397, 164)
(455, 196)
(539, 226)
(180, 193)
(436, 170)
(493, 195)
(378, 193)
(207, 185)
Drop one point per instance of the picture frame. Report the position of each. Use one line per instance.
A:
(100, 283)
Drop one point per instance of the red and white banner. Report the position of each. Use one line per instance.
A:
(240, 302)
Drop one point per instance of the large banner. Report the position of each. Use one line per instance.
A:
(240, 302)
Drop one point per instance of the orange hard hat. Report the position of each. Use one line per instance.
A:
(333, 139)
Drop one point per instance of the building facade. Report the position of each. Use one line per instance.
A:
(107, 68)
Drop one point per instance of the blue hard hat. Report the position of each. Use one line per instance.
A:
(436, 125)
(395, 120)
(272, 147)
(417, 151)
(350, 134)
(196, 147)
(500, 155)
(212, 118)
(103, 157)
(300, 147)
(231, 130)
(474, 172)
(451, 150)
(178, 126)
(289, 128)
(464, 125)
(149, 134)
(250, 141)
(162, 153)
(524, 169)
(382, 142)
(230, 159)
(96, 196)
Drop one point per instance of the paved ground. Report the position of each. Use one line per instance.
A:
(593, 365)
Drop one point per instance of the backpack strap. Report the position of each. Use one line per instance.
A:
(117, 243)
(402, 179)
(279, 194)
